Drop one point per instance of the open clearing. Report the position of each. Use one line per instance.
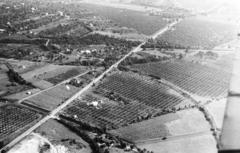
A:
(190, 121)
(47, 71)
(194, 144)
(217, 109)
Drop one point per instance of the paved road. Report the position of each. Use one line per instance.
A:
(54, 112)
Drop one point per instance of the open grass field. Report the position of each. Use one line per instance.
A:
(149, 129)
(190, 121)
(193, 144)
(198, 33)
(48, 71)
(54, 73)
(22, 66)
(142, 89)
(56, 132)
(21, 95)
(6, 89)
(140, 21)
(41, 84)
(217, 109)
(52, 98)
(203, 80)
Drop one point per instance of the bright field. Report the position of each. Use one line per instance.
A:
(217, 109)
(150, 129)
(191, 121)
(199, 33)
(204, 143)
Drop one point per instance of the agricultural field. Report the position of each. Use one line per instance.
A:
(14, 119)
(146, 130)
(21, 95)
(140, 21)
(49, 75)
(10, 87)
(198, 33)
(217, 110)
(50, 99)
(109, 116)
(197, 144)
(20, 66)
(190, 121)
(200, 79)
(59, 135)
(47, 71)
(64, 76)
(7, 88)
(142, 89)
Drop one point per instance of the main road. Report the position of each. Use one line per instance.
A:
(67, 102)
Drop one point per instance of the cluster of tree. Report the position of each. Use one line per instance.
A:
(146, 59)
(163, 44)
(81, 132)
(101, 142)
(208, 54)
(93, 39)
(75, 83)
(59, 30)
(15, 77)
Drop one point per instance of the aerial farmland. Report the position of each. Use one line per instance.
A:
(115, 76)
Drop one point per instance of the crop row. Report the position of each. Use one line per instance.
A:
(198, 79)
(14, 118)
(197, 33)
(109, 116)
(147, 92)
